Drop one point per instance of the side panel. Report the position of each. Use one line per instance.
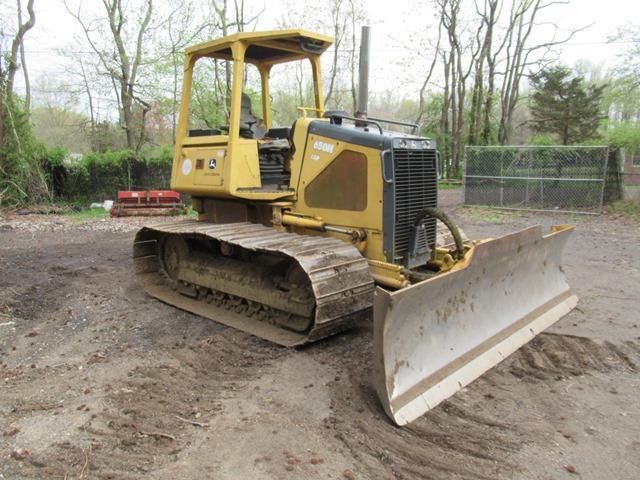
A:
(216, 170)
(319, 154)
(209, 165)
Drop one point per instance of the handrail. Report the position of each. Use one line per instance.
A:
(357, 120)
(304, 111)
(414, 126)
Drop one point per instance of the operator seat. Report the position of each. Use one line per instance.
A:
(250, 125)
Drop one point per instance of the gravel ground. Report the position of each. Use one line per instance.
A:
(101, 381)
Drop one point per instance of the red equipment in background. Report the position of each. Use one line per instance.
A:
(148, 203)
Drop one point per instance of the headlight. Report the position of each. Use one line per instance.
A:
(413, 144)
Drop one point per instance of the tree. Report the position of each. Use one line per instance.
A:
(17, 45)
(522, 54)
(119, 51)
(629, 56)
(224, 25)
(54, 116)
(489, 15)
(423, 90)
(458, 52)
(211, 89)
(342, 20)
(12, 122)
(621, 99)
(485, 50)
(183, 26)
(561, 104)
(8, 72)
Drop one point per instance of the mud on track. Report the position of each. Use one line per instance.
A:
(102, 381)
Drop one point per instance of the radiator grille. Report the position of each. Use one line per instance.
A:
(415, 188)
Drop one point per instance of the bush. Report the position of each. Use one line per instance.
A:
(624, 135)
(626, 208)
(32, 173)
(98, 176)
(109, 172)
(542, 140)
(23, 177)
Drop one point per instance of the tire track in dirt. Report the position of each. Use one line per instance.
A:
(549, 355)
(156, 370)
(139, 425)
(461, 438)
(175, 371)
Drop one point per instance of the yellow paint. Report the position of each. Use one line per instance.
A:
(388, 274)
(240, 170)
(237, 173)
(305, 222)
(370, 219)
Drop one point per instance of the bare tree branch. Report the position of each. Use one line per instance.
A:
(16, 44)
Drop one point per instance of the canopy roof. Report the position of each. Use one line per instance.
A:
(270, 47)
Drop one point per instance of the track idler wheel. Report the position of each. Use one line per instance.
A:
(173, 251)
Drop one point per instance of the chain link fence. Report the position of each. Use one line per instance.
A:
(551, 178)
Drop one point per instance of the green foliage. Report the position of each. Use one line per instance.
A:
(22, 160)
(207, 108)
(625, 208)
(59, 126)
(56, 156)
(284, 104)
(109, 172)
(564, 106)
(158, 156)
(98, 176)
(192, 213)
(448, 185)
(624, 135)
(629, 56)
(32, 173)
(621, 98)
(542, 140)
(88, 214)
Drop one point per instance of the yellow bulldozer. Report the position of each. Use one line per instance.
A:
(305, 229)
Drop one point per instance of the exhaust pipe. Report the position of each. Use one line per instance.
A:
(363, 73)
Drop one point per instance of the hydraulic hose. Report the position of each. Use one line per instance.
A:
(444, 218)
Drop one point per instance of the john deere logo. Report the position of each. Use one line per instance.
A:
(212, 164)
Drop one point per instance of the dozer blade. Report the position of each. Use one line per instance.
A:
(433, 338)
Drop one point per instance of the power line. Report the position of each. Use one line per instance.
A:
(350, 50)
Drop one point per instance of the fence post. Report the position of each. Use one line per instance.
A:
(501, 178)
(542, 177)
(613, 179)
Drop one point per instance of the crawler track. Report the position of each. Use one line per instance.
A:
(238, 274)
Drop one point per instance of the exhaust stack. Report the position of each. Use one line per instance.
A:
(363, 72)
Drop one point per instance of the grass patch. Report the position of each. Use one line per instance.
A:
(489, 215)
(88, 214)
(448, 185)
(625, 208)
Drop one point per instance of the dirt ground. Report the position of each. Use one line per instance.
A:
(98, 380)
